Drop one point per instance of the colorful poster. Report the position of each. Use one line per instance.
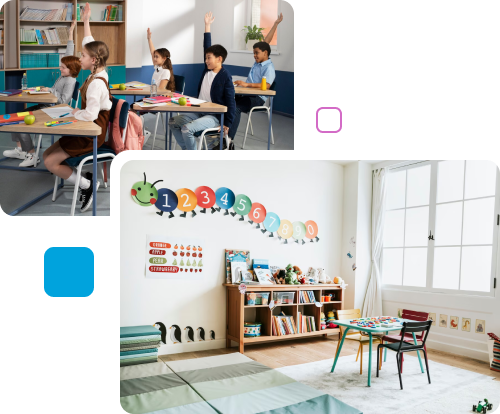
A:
(236, 256)
(170, 257)
(480, 326)
(453, 322)
(466, 324)
(443, 321)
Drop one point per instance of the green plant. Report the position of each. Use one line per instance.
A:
(253, 33)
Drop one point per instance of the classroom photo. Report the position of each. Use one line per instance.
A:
(82, 82)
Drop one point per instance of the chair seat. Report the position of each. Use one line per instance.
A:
(360, 338)
(102, 150)
(397, 338)
(405, 347)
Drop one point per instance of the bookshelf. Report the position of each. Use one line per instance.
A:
(237, 312)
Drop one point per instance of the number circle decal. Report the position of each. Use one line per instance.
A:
(286, 229)
(206, 197)
(242, 204)
(311, 229)
(167, 200)
(257, 213)
(272, 222)
(187, 199)
(224, 198)
(299, 230)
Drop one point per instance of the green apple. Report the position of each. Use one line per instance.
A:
(29, 119)
(122, 87)
(182, 101)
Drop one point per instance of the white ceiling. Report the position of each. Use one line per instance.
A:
(345, 162)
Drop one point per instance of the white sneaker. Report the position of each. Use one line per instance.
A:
(15, 153)
(29, 161)
(147, 134)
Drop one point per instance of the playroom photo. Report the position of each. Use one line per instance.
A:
(333, 287)
(82, 82)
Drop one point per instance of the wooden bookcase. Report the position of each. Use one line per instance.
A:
(237, 312)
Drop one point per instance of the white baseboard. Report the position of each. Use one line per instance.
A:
(459, 350)
(191, 347)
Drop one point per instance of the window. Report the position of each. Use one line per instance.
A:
(264, 14)
(441, 229)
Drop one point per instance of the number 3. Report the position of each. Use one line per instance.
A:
(206, 196)
(186, 202)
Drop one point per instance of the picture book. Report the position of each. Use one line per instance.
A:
(262, 271)
(236, 256)
(158, 99)
(10, 92)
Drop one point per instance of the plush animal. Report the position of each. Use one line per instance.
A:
(323, 277)
(291, 276)
(338, 280)
(312, 275)
(297, 270)
(279, 276)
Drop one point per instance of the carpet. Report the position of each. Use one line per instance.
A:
(452, 390)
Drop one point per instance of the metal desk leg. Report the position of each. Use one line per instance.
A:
(385, 349)
(166, 130)
(168, 115)
(340, 349)
(418, 353)
(370, 360)
(270, 122)
(221, 130)
(52, 140)
(94, 181)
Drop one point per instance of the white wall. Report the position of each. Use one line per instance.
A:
(302, 191)
(179, 27)
(464, 306)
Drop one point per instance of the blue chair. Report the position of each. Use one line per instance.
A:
(260, 109)
(180, 84)
(104, 152)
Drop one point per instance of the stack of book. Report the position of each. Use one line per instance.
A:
(139, 344)
(306, 296)
(52, 36)
(110, 14)
(64, 14)
(306, 323)
(284, 325)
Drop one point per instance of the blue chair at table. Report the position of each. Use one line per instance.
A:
(180, 84)
(104, 152)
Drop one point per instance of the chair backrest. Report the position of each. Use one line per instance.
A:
(414, 327)
(415, 316)
(76, 94)
(345, 314)
(123, 115)
(180, 83)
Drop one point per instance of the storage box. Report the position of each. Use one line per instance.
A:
(283, 298)
(251, 329)
(257, 298)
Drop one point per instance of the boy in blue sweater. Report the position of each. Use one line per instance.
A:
(215, 86)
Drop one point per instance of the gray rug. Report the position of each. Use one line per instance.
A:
(453, 390)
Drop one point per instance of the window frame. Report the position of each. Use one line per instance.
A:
(274, 48)
(432, 226)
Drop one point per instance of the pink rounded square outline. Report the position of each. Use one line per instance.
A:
(328, 132)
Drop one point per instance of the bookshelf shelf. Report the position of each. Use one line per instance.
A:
(237, 312)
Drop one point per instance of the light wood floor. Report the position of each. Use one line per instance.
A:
(301, 351)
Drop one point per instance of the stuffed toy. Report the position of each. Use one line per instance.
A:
(279, 276)
(337, 280)
(323, 277)
(291, 276)
(330, 320)
(312, 276)
(297, 270)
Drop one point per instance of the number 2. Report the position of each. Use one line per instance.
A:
(224, 198)
(166, 200)
(186, 202)
(206, 196)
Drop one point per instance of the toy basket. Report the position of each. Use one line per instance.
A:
(251, 329)
(283, 298)
(257, 298)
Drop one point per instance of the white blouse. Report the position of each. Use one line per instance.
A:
(97, 95)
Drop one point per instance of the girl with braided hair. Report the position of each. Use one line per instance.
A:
(96, 105)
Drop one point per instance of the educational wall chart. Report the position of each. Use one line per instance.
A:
(222, 200)
(169, 257)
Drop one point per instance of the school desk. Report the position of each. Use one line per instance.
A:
(77, 129)
(169, 108)
(145, 91)
(44, 98)
(347, 324)
(255, 91)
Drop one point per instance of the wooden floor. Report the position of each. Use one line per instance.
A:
(301, 351)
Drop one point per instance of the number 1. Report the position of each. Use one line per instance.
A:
(166, 200)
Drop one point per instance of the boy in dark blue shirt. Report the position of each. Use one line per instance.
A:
(215, 86)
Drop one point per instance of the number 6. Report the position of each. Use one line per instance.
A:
(255, 213)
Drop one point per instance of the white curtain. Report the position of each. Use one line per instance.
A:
(372, 305)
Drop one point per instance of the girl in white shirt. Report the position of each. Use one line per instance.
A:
(96, 105)
(164, 73)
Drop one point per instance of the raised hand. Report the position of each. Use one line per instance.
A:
(209, 18)
(279, 19)
(149, 34)
(72, 30)
(86, 13)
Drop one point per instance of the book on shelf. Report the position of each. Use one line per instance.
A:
(306, 296)
(51, 36)
(63, 14)
(306, 323)
(283, 325)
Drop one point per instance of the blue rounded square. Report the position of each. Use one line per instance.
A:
(69, 272)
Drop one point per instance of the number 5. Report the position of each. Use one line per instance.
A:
(242, 205)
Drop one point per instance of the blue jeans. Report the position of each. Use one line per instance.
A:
(184, 126)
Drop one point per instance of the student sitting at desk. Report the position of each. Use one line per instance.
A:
(263, 67)
(62, 90)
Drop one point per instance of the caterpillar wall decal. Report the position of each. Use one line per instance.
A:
(165, 200)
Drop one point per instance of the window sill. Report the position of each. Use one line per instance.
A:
(273, 52)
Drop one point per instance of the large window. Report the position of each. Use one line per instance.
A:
(441, 226)
(264, 14)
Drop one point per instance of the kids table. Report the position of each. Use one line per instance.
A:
(144, 91)
(44, 98)
(77, 129)
(206, 108)
(254, 91)
(382, 329)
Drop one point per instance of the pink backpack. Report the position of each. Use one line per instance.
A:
(134, 139)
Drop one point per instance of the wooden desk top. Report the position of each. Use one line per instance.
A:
(46, 98)
(146, 91)
(253, 91)
(78, 128)
(170, 107)
(285, 287)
